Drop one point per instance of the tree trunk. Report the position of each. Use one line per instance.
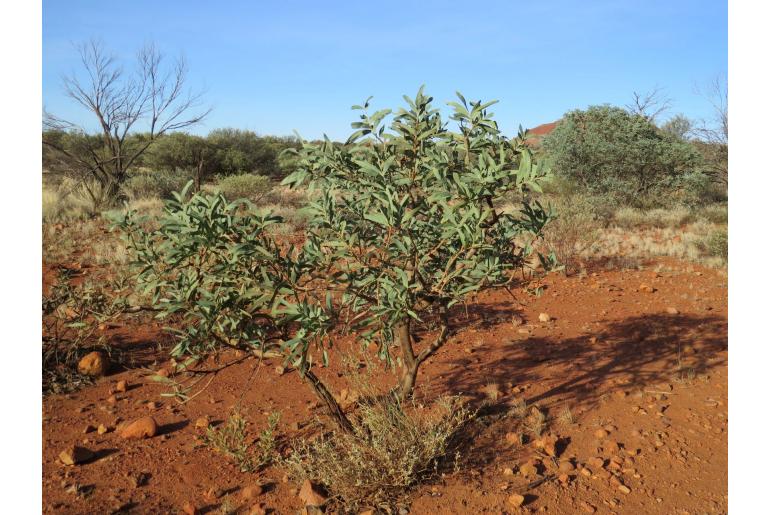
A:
(325, 396)
(198, 175)
(403, 336)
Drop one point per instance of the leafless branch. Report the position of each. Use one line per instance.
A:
(650, 105)
(153, 98)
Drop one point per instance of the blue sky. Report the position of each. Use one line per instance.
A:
(278, 66)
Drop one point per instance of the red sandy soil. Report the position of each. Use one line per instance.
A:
(650, 368)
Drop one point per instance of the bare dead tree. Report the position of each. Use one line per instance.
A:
(650, 105)
(153, 99)
(713, 133)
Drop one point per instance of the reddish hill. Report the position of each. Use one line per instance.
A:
(536, 134)
(544, 129)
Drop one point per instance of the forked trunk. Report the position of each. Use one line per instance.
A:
(402, 333)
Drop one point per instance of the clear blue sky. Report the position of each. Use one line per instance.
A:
(277, 66)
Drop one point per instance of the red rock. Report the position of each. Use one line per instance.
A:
(75, 455)
(94, 364)
(516, 500)
(310, 495)
(121, 386)
(251, 492)
(144, 427)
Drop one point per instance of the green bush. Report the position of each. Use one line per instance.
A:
(404, 225)
(245, 186)
(200, 264)
(716, 244)
(155, 184)
(609, 151)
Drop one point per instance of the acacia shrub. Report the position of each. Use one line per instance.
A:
(610, 152)
(407, 217)
(403, 224)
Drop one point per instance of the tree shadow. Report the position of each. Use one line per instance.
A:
(634, 352)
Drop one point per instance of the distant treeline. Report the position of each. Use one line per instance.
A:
(221, 153)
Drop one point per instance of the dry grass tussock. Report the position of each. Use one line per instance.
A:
(66, 202)
(689, 243)
(395, 446)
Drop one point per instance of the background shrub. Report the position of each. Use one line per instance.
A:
(155, 184)
(244, 186)
(716, 244)
(607, 150)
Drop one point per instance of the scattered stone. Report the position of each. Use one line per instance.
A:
(508, 471)
(144, 427)
(548, 444)
(258, 509)
(600, 433)
(112, 399)
(596, 462)
(202, 422)
(75, 455)
(566, 466)
(544, 317)
(516, 320)
(564, 479)
(152, 405)
(586, 472)
(102, 429)
(163, 372)
(212, 494)
(251, 492)
(94, 364)
(529, 469)
(310, 495)
(672, 311)
(624, 489)
(139, 479)
(587, 507)
(121, 386)
(279, 370)
(611, 446)
(516, 500)
(646, 288)
(189, 508)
